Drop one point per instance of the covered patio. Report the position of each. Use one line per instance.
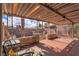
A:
(56, 32)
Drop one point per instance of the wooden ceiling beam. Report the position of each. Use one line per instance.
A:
(53, 4)
(62, 6)
(71, 11)
(27, 10)
(24, 8)
(45, 18)
(30, 18)
(37, 12)
(10, 8)
(12, 15)
(5, 8)
(51, 9)
(35, 9)
(19, 8)
(19, 16)
(15, 7)
(75, 18)
(73, 15)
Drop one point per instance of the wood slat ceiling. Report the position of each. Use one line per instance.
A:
(57, 13)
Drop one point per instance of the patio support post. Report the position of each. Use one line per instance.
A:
(7, 20)
(12, 24)
(12, 21)
(67, 31)
(49, 27)
(22, 26)
(72, 30)
(1, 36)
(37, 25)
(22, 23)
(42, 26)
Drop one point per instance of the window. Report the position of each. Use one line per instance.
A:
(30, 23)
(4, 20)
(16, 21)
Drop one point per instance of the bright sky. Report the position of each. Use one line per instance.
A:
(16, 21)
